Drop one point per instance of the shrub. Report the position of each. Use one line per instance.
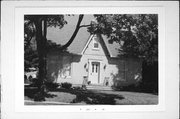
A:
(89, 82)
(39, 97)
(150, 87)
(51, 85)
(34, 82)
(77, 88)
(25, 79)
(66, 85)
(126, 87)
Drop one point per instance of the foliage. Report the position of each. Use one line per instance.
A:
(150, 77)
(35, 26)
(136, 34)
(30, 26)
(77, 88)
(31, 59)
(52, 20)
(52, 85)
(40, 96)
(127, 87)
(144, 87)
(66, 85)
(34, 82)
(30, 30)
(53, 46)
(29, 33)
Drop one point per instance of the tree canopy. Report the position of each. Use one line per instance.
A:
(137, 34)
(34, 35)
(35, 26)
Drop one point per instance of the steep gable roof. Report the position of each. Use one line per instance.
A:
(61, 36)
(101, 41)
(87, 43)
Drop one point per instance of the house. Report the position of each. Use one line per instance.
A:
(92, 58)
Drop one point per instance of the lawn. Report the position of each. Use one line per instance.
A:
(85, 97)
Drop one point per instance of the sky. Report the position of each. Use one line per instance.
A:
(61, 36)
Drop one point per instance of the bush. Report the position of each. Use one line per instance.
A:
(34, 82)
(51, 85)
(131, 87)
(39, 97)
(77, 88)
(140, 87)
(66, 85)
(150, 87)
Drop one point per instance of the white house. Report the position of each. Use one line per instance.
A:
(92, 57)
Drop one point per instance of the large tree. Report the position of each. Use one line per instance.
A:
(137, 34)
(35, 26)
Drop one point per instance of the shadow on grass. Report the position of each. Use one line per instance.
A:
(31, 92)
(91, 97)
(85, 96)
(142, 88)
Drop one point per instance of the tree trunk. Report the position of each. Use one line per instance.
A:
(41, 48)
(41, 31)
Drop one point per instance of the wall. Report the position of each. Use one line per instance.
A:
(101, 51)
(130, 73)
(118, 71)
(56, 65)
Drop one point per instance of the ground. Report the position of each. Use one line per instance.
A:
(84, 97)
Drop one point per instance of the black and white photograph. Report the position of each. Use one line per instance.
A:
(91, 59)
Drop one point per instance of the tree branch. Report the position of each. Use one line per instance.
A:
(84, 26)
(75, 32)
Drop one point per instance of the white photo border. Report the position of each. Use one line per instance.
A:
(15, 95)
(19, 55)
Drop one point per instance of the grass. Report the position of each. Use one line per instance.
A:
(93, 97)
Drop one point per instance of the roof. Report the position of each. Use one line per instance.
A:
(104, 46)
(61, 36)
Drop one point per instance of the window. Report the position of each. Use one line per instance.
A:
(95, 67)
(66, 67)
(92, 67)
(67, 70)
(95, 43)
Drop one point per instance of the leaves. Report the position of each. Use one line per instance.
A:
(139, 32)
(30, 35)
(56, 20)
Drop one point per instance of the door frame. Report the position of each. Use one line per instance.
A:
(89, 70)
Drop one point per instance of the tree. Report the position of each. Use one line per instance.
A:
(36, 26)
(137, 35)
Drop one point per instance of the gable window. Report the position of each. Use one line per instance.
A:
(95, 43)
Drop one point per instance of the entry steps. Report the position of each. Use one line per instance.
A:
(98, 87)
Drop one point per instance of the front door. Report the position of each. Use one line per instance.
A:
(94, 72)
